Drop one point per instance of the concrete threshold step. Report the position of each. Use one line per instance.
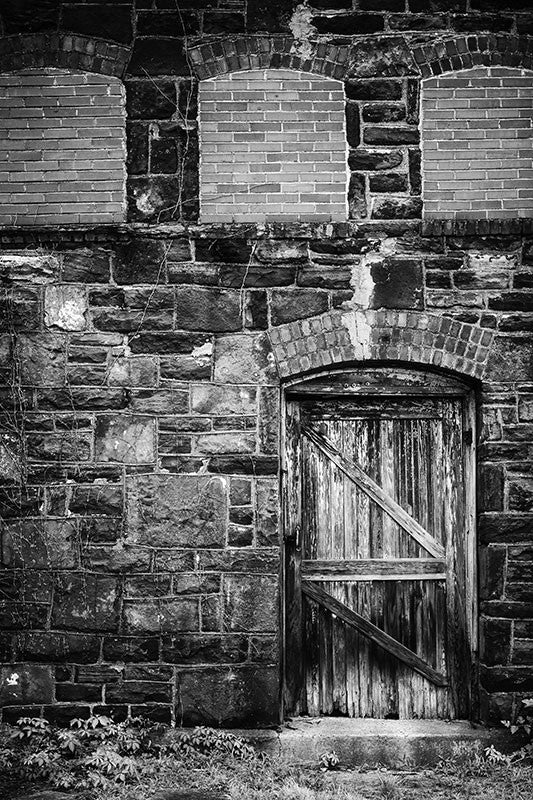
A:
(389, 742)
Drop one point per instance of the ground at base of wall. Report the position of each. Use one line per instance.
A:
(460, 780)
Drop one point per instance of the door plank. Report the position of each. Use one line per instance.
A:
(365, 482)
(426, 568)
(374, 633)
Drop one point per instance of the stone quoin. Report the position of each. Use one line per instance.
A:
(201, 211)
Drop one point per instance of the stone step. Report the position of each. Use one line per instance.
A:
(388, 742)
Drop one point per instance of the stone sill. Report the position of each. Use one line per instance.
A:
(44, 234)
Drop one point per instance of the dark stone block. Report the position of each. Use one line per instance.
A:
(139, 692)
(186, 368)
(490, 487)
(85, 602)
(208, 309)
(373, 90)
(76, 692)
(473, 23)
(521, 494)
(62, 714)
(85, 265)
(415, 175)
(167, 23)
(189, 649)
(158, 57)
(507, 679)
(140, 261)
(423, 6)
(438, 280)
(510, 359)
(349, 24)
(505, 528)
(383, 112)
(252, 561)
(381, 5)
(512, 301)
(413, 101)
(495, 644)
(131, 648)
(28, 16)
(223, 22)
(398, 283)
(161, 343)
(357, 196)
(256, 275)
(209, 698)
(289, 305)
(333, 5)
(421, 22)
(256, 310)
(325, 276)
(164, 155)
(271, 18)
(150, 99)
(56, 647)
(232, 251)
(82, 398)
(353, 134)
(363, 159)
(379, 57)
(102, 20)
(491, 572)
(244, 465)
(397, 209)
(98, 499)
(390, 182)
(516, 323)
(391, 136)
(154, 199)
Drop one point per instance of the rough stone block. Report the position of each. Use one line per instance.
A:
(267, 512)
(213, 443)
(397, 208)
(521, 494)
(207, 648)
(127, 439)
(22, 684)
(373, 89)
(244, 355)
(28, 268)
(85, 602)
(177, 510)
(287, 305)
(495, 644)
(65, 307)
(217, 400)
(229, 696)
(50, 647)
(136, 371)
(208, 309)
(250, 603)
(491, 572)
(165, 615)
(42, 359)
(491, 487)
(510, 359)
(371, 160)
(41, 544)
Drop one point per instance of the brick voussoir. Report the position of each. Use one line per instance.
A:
(337, 337)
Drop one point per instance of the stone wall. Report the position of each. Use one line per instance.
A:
(140, 464)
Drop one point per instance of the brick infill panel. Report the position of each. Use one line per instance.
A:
(63, 50)
(340, 337)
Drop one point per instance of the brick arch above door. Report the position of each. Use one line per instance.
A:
(397, 57)
(64, 51)
(338, 337)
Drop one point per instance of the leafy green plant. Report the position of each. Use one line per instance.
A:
(328, 761)
(523, 724)
(98, 752)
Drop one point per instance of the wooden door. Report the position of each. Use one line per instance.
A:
(379, 583)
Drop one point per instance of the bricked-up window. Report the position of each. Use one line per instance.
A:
(272, 147)
(62, 148)
(476, 144)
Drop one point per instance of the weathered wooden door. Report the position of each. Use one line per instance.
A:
(379, 551)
